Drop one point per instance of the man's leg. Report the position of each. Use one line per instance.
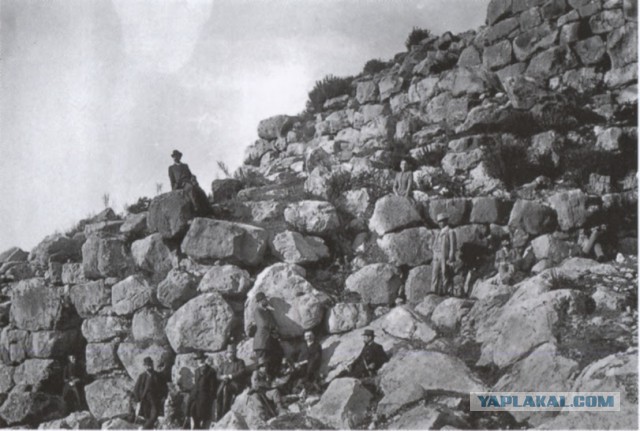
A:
(150, 421)
(436, 285)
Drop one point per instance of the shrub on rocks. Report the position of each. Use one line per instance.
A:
(298, 306)
(377, 284)
(203, 323)
(209, 240)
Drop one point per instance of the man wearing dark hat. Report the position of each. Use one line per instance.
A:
(148, 392)
(444, 257)
(371, 358)
(231, 374)
(265, 340)
(181, 178)
(203, 393)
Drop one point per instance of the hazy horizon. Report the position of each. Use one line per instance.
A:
(96, 94)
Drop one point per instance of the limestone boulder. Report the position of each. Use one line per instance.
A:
(570, 207)
(14, 343)
(40, 374)
(553, 249)
(377, 284)
(101, 358)
(264, 211)
(535, 39)
(104, 328)
(488, 210)
(355, 202)
(293, 247)
(57, 248)
(177, 288)
(297, 305)
(169, 214)
(209, 240)
(622, 45)
(345, 317)
(135, 225)
(148, 324)
(497, 10)
(275, 127)
(523, 91)
(457, 209)
(108, 398)
(118, 424)
(23, 407)
(105, 257)
(6, 378)
(449, 313)
(412, 374)
(389, 85)
(152, 256)
(408, 247)
(88, 298)
(532, 217)
(344, 405)
(312, 217)
(52, 344)
(72, 273)
(366, 92)
(403, 323)
(456, 163)
(498, 55)
(203, 323)
(553, 61)
(132, 354)
(392, 213)
(590, 50)
(37, 306)
(131, 294)
(418, 284)
(228, 280)
(13, 254)
(75, 421)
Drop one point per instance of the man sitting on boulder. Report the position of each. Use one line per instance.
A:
(181, 178)
(371, 358)
(232, 378)
(306, 368)
(148, 393)
(403, 183)
(264, 387)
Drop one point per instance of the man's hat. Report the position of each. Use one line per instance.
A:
(176, 153)
(147, 361)
(200, 356)
(260, 296)
(442, 217)
(369, 332)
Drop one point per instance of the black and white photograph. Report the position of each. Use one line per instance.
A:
(319, 214)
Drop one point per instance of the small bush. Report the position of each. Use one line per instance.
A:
(328, 88)
(374, 66)
(250, 178)
(141, 206)
(416, 36)
(510, 163)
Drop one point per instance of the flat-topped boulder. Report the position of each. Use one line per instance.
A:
(88, 298)
(392, 213)
(110, 397)
(408, 247)
(312, 217)
(344, 404)
(130, 294)
(209, 240)
(37, 306)
(57, 248)
(275, 127)
(151, 255)
(106, 257)
(293, 247)
(227, 280)
(377, 283)
(169, 214)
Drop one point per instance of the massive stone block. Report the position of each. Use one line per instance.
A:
(169, 214)
(108, 398)
(392, 213)
(36, 306)
(105, 257)
(377, 283)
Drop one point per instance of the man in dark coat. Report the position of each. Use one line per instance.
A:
(232, 375)
(203, 394)
(148, 393)
(72, 390)
(266, 344)
(307, 364)
(371, 358)
(181, 178)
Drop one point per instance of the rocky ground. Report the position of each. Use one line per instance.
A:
(308, 220)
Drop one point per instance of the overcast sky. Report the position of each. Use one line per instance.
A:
(96, 93)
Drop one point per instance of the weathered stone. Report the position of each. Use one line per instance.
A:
(57, 248)
(435, 62)
(36, 306)
(103, 228)
(152, 255)
(134, 225)
(497, 10)
(203, 323)
(88, 298)
(530, 41)
(132, 354)
(297, 305)
(607, 298)
(392, 213)
(489, 210)
(389, 85)
(72, 273)
(377, 284)
(75, 421)
(16, 271)
(622, 45)
(423, 90)
(40, 374)
(500, 30)
(319, 183)
(179, 287)
(104, 328)
(292, 247)
(469, 57)
(408, 247)
(549, 247)
(344, 405)
(337, 121)
(608, 139)
(355, 202)
(498, 55)
(401, 322)
(25, 407)
(101, 357)
(313, 217)
(275, 127)
(530, 18)
(13, 254)
(449, 313)
(457, 209)
(618, 77)
(606, 21)
(551, 62)
(148, 324)
(418, 284)
(209, 240)
(570, 207)
(455, 163)
(6, 378)
(105, 257)
(108, 398)
(14, 344)
(590, 50)
(52, 344)
(367, 92)
(583, 80)
(344, 317)
(228, 280)
(169, 214)
(130, 294)
(532, 217)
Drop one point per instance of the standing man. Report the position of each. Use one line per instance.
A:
(72, 389)
(148, 393)
(444, 257)
(403, 183)
(371, 358)
(181, 178)
(203, 393)
(266, 344)
(307, 365)
(232, 372)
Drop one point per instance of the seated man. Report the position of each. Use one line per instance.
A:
(505, 262)
(590, 244)
(181, 178)
(403, 183)
(306, 368)
(264, 387)
(232, 376)
(371, 358)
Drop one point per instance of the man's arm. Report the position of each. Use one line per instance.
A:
(172, 179)
(452, 246)
(407, 192)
